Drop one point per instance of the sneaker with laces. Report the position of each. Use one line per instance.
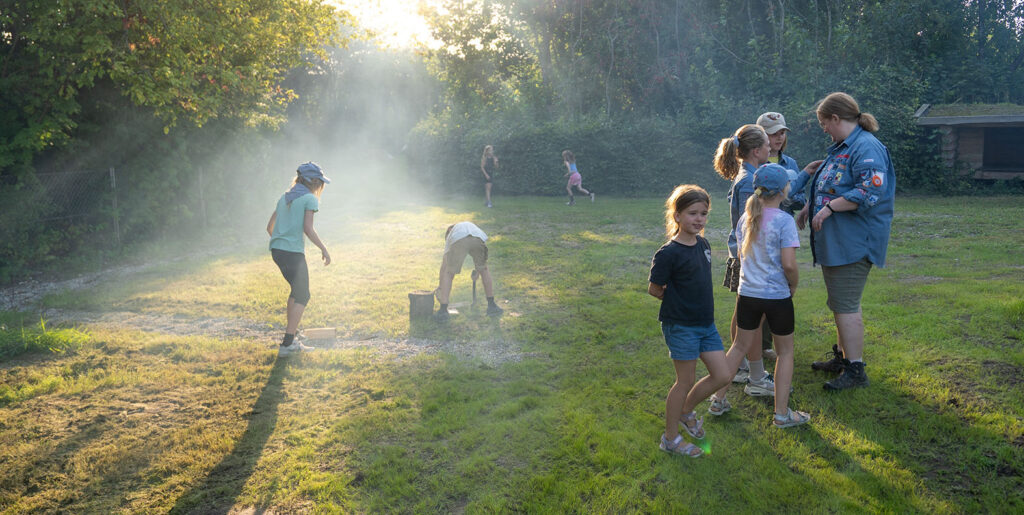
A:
(834, 364)
(852, 376)
(294, 348)
(742, 376)
(763, 388)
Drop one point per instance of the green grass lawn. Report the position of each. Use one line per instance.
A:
(556, 407)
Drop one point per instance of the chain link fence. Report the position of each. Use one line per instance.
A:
(59, 199)
(56, 200)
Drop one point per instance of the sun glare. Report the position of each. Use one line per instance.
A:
(396, 23)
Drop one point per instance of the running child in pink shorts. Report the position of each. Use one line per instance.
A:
(575, 179)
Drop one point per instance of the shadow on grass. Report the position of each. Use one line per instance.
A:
(965, 466)
(225, 481)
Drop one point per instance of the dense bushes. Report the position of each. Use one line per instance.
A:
(642, 158)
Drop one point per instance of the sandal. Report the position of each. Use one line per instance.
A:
(697, 430)
(677, 447)
(792, 418)
(719, 407)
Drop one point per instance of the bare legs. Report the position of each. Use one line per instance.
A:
(685, 376)
(740, 346)
(487, 192)
(485, 279)
(783, 372)
(850, 334)
(754, 353)
(444, 288)
(719, 375)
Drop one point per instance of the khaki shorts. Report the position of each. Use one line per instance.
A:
(845, 285)
(456, 254)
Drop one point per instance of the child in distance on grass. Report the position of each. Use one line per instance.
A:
(768, 239)
(292, 218)
(681, 278)
(575, 179)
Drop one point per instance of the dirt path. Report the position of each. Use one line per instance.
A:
(27, 295)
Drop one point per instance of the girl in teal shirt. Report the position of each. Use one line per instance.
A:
(292, 218)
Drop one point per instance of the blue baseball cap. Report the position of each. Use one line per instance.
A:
(772, 178)
(311, 170)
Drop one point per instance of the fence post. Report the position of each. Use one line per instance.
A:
(202, 199)
(117, 224)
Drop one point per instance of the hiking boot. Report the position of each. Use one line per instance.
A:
(853, 375)
(441, 315)
(834, 365)
(494, 310)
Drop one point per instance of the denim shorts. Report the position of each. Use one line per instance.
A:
(687, 342)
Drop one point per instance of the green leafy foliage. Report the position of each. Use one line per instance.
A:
(713, 66)
(182, 59)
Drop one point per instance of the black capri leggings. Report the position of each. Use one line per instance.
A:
(293, 268)
(778, 313)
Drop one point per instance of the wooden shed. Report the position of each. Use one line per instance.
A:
(985, 141)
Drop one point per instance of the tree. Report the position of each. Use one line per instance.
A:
(185, 60)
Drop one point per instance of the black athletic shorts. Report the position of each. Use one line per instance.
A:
(778, 313)
(293, 268)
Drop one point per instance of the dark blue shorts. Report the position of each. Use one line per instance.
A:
(687, 342)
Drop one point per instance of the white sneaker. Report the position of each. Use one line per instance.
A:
(591, 196)
(295, 347)
(763, 388)
(742, 376)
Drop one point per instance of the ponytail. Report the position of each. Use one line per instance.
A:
(755, 211)
(755, 214)
(736, 147)
(846, 108)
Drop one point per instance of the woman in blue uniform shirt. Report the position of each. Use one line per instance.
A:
(851, 210)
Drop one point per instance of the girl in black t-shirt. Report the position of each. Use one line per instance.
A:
(681, 278)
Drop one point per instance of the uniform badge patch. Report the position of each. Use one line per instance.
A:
(877, 180)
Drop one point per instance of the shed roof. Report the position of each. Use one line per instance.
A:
(970, 114)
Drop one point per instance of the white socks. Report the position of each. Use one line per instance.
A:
(756, 370)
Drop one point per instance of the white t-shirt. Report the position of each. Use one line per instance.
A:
(761, 274)
(461, 230)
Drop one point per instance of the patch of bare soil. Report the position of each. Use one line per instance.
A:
(491, 353)
(27, 295)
